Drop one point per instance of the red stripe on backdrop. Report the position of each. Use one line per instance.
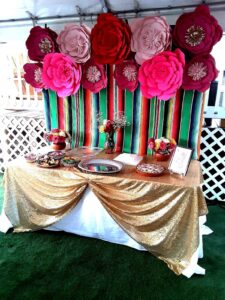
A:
(144, 115)
(61, 120)
(176, 116)
(110, 92)
(120, 107)
(87, 118)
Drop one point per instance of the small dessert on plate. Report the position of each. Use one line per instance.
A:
(45, 161)
(150, 169)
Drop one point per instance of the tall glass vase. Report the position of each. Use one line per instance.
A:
(109, 143)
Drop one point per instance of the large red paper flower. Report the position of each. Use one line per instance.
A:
(110, 40)
(162, 75)
(199, 73)
(33, 75)
(94, 76)
(74, 40)
(40, 42)
(126, 75)
(61, 74)
(150, 36)
(198, 31)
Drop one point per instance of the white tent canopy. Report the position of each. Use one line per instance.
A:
(17, 17)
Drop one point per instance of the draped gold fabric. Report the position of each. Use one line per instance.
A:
(161, 213)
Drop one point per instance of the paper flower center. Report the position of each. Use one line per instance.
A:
(45, 46)
(197, 71)
(152, 39)
(93, 74)
(37, 75)
(194, 35)
(130, 72)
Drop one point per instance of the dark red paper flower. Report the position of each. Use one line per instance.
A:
(110, 40)
(33, 75)
(126, 75)
(199, 73)
(198, 31)
(93, 76)
(40, 42)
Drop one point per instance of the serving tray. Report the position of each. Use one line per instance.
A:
(100, 166)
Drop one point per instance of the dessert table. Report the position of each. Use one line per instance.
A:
(163, 215)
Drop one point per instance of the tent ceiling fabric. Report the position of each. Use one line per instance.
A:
(58, 9)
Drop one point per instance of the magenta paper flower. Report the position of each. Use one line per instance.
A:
(126, 75)
(74, 40)
(93, 76)
(162, 75)
(40, 42)
(61, 74)
(198, 31)
(150, 36)
(33, 75)
(199, 73)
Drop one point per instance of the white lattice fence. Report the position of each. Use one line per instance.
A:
(213, 163)
(20, 133)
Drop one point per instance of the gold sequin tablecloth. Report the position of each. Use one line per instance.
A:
(161, 213)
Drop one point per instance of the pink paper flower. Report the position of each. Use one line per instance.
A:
(61, 74)
(150, 36)
(40, 42)
(162, 75)
(126, 75)
(93, 76)
(199, 73)
(74, 40)
(33, 75)
(198, 31)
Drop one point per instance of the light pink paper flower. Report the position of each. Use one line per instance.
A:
(33, 75)
(61, 74)
(150, 36)
(94, 76)
(199, 73)
(162, 75)
(126, 75)
(74, 40)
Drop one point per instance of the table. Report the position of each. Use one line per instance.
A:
(160, 214)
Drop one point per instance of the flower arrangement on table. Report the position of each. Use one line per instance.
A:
(109, 127)
(58, 138)
(162, 147)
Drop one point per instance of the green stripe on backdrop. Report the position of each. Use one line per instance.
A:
(185, 118)
(74, 118)
(151, 128)
(128, 110)
(81, 117)
(53, 109)
(196, 125)
(161, 106)
(103, 110)
(137, 121)
(94, 124)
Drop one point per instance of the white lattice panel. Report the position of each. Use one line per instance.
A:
(20, 133)
(213, 163)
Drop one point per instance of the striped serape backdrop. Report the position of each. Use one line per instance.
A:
(179, 118)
